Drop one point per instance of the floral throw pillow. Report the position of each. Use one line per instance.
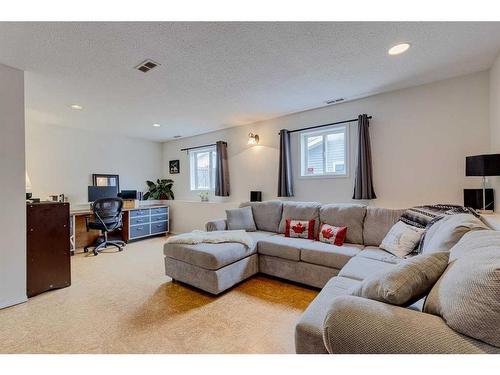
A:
(299, 228)
(332, 235)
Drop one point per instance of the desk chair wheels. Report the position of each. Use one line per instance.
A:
(102, 243)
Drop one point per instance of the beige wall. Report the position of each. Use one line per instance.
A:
(420, 137)
(495, 123)
(62, 160)
(12, 197)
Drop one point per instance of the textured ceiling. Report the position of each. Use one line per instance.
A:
(217, 75)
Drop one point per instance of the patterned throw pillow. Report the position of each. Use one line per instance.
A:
(332, 235)
(402, 239)
(300, 228)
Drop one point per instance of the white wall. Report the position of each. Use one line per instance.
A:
(186, 216)
(420, 137)
(495, 123)
(12, 197)
(62, 160)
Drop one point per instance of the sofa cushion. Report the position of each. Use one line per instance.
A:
(345, 215)
(359, 268)
(282, 247)
(405, 283)
(378, 222)
(210, 256)
(373, 252)
(444, 234)
(309, 329)
(240, 218)
(475, 241)
(267, 215)
(467, 296)
(300, 211)
(328, 255)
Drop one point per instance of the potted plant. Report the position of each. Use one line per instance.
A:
(162, 189)
(204, 196)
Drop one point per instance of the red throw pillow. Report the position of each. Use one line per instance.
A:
(332, 235)
(300, 228)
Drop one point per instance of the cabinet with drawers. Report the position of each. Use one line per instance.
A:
(145, 222)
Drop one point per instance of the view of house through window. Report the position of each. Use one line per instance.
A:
(202, 168)
(324, 152)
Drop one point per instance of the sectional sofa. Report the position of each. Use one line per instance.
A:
(336, 321)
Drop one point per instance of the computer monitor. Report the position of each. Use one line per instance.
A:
(99, 192)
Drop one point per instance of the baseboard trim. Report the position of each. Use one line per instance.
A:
(12, 301)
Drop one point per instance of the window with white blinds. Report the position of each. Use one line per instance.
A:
(324, 152)
(202, 168)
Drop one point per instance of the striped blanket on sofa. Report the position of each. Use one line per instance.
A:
(425, 216)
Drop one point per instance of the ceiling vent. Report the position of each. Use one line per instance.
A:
(335, 101)
(147, 65)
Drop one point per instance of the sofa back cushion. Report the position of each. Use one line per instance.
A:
(406, 282)
(446, 233)
(345, 215)
(241, 219)
(378, 222)
(467, 296)
(267, 215)
(300, 211)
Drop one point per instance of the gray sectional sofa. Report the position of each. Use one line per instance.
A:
(335, 321)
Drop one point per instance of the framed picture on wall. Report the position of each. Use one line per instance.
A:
(174, 166)
(106, 180)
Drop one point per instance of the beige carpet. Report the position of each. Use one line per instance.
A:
(124, 303)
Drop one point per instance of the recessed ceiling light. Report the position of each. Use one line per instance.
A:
(156, 125)
(399, 49)
(76, 107)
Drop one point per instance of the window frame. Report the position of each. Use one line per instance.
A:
(303, 157)
(193, 168)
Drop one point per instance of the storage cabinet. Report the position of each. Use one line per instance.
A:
(147, 222)
(48, 247)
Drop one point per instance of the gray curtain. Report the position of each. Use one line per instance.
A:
(221, 170)
(285, 183)
(363, 183)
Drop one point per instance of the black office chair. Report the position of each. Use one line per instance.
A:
(107, 216)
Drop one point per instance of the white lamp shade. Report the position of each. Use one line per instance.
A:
(28, 182)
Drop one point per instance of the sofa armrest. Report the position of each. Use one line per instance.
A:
(219, 224)
(359, 325)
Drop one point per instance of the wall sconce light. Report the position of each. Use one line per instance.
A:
(253, 139)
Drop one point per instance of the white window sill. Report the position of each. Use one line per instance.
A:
(323, 176)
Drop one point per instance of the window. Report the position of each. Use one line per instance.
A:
(202, 168)
(324, 152)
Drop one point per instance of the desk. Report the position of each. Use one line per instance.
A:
(140, 222)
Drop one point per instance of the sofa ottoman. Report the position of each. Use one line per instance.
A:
(309, 329)
(210, 267)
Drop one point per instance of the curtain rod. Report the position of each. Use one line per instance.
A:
(321, 126)
(192, 148)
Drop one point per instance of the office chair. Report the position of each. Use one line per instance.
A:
(107, 216)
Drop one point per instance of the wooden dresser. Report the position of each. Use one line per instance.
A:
(48, 247)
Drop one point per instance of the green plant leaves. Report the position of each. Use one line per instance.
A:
(161, 190)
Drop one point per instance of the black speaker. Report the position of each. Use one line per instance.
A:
(474, 198)
(255, 196)
(128, 194)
